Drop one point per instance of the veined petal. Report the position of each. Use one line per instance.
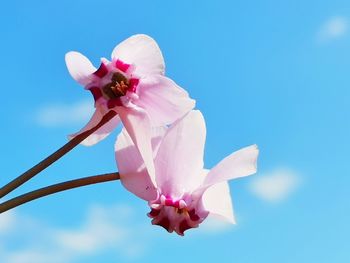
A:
(238, 164)
(101, 133)
(179, 161)
(141, 51)
(217, 201)
(79, 67)
(138, 126)
(133, 173)
(163, 99)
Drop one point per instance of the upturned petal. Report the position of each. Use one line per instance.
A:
(179, 160)
(163, 99)
(141, 51)
(217, 201)
(238, 164)
(79, 67)
(101, 133)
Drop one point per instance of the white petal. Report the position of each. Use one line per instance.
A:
(141, 51)
(179, 160)
(133, 173)
(217, 201)
(163, 99)
(101, 133)
(238, 164)
(79, 67)
(138, 126)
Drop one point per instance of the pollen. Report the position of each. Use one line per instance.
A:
(117, 88)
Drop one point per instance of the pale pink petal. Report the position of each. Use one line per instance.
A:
(143, 52)
(138, 126)
(101, 133)
(238, 164)
(79, 67)
(163, 99)
(179, 160)
(133, 173)
(217, 201)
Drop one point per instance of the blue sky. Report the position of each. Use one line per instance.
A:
(274, 73)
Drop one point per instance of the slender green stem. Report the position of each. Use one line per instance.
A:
(42, 192)
(53, 157)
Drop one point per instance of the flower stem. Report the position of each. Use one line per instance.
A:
(54, 157)
(42, 192)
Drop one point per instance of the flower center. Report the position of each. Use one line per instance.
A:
(111, 84)
(117, 88)
(175, 215)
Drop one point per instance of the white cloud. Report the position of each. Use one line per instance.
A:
(55, 115)
(275, 186)
(103, 229)
(335, 27)
(212, 225)
(7, 222)
(97, 232)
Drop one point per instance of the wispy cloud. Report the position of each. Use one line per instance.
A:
(334, 28)
(56, 114)
(103, 229)
(275, 186)
(7, 222)
(213, 225)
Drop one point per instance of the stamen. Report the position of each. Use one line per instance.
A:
(117, 87)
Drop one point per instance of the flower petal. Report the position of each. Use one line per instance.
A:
(217, 201)
(141, 51)
(179, 160)
(163, 99)
(138, 126)
(238, 164)
(133, 173)
(101, 133)
(79, 67)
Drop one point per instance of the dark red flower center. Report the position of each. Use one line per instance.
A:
(117, 88)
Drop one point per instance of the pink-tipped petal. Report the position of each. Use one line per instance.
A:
(217, 201)
(163, 99)
(238, 164)
(141, 51)
(133, 173)
(179, 160)
(79, 67)
(138, 126)
(101, 133)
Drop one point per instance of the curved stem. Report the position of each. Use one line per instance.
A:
(54, 157)
(42, 192)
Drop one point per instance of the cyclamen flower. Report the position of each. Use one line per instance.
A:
(134, 86)
(184, 193)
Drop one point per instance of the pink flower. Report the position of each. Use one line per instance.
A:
(180, 192)
(133, 85)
